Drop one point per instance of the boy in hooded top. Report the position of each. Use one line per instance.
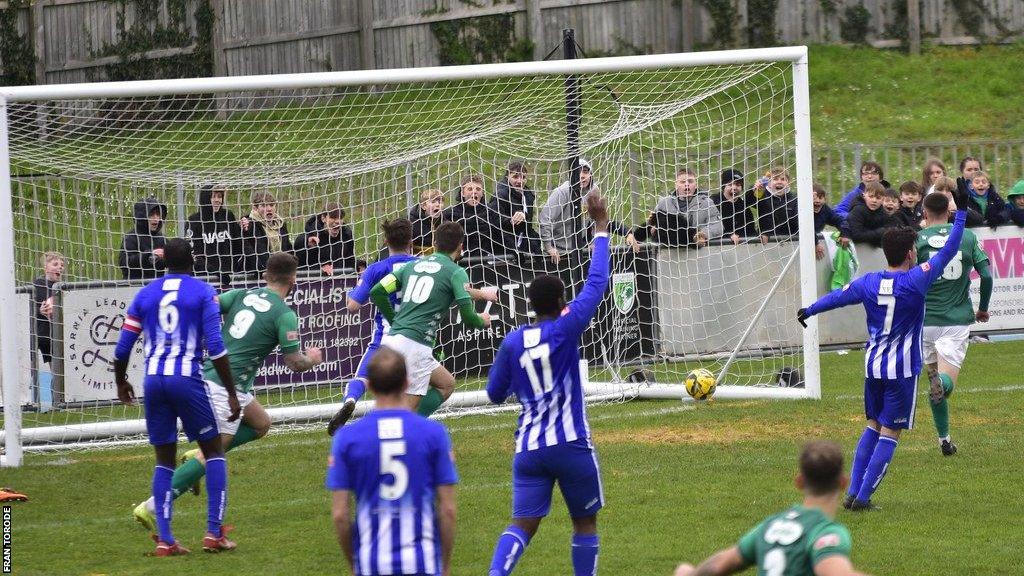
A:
(142, 249)
(214, 233)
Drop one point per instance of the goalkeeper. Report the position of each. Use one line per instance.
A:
(429, 287)
(255, 322)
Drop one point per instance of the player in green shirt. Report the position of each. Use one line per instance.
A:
(949, 311)
(256, 322)
(804, 540)
(428, 287)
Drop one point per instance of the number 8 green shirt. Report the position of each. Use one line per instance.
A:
(791, 543)
(255, 322)
(948, 302)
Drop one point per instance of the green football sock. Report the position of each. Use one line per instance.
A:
(193, 470)
(430, 403)
(940, 411)
(186, 475)
(244, 435)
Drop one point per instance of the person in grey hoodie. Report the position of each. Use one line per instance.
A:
(562, 226)
(700, 214)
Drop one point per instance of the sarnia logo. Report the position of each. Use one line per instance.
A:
(624, 291)
(92, 335)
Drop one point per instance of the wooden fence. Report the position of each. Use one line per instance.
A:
(287, 36)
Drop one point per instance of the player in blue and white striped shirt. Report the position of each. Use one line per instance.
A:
(894, 302)
(179, 317)
(540, 365)
(399, 467)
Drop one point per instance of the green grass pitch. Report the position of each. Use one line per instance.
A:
(681, 480)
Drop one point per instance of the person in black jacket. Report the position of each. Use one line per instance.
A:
(426, 216)
(777, 209)
(513, 210)
(474, 216)
(327, 242)
(867, 220)
(911, 203)
(215, 235)
(142, 249)
(42, 300)
(736, 207)
(263, 232)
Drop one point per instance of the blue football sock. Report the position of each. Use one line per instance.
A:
(355, 389)
(861, 457)
(584, 554)
(216, 493)
(877, 467)
(510, 547)
(163, 498)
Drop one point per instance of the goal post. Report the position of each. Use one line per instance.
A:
(79, 162)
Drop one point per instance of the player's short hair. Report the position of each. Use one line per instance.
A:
(516, 166)
(386, 374)
(936, 204)
(397, 233)
(333, 209)
(477, 178)
(819, 190)
(178, 254)
(871, 166)
(281, 268)
(447, 237)
(778, 171)
(821, 464)
(896, 242)
(891, 193)
(874, 189)
(263, 197)
(546, 294)
(48, 257)
(688, 171)
(911, 187)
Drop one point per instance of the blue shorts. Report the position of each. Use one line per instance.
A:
(891, 403)
(573, 466)
(364, 365)
(168, 398)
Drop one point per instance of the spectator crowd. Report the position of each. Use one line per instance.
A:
(510, 223)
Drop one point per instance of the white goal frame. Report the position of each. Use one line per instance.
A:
(804, 255)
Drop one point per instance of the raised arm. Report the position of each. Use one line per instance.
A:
(583, 307)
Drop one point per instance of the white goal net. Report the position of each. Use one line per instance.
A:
(101, 174)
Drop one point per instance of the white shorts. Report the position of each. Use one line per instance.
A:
(419, 361)
(949, 342)
(221, 411)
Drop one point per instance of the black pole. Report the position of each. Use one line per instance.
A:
(573, 112)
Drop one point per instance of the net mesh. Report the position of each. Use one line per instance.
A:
(88, 175)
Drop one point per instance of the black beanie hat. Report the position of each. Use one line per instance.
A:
(731, 175)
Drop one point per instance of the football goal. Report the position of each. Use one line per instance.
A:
(700, 155)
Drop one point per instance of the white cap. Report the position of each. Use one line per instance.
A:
(586, 164)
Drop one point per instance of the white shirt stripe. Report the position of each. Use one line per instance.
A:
(568, 423)
(407, 534)
(365, 541)
(427, 540)
(384, 542)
